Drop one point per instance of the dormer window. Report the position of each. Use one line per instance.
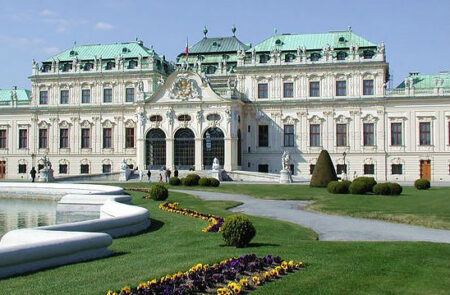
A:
(289, 58)
(46, 68)
(132, 64)
(158, 65)
(67, 67)
(125, 50)
(184, 118)
(368, 54)
(341, 55)
(156, 118)
(210, 69)
(110, 65)
(315, 56)
(88, 66)
(278, 42)
(263, 59)
(342, 39)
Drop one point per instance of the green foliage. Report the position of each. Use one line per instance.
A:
(422, 184)
(238, 231)
(336, 187)
(323, 171)
(369, 183)
(159, 192)
(388, 189)
(204, 181)
(347, 183)
(358, 188)
(191, 180)
(214, 182)
(174, 181)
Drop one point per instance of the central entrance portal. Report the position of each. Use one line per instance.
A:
(155, 149)
(184, 148)
(213, 147)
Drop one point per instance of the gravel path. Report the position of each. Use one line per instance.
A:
(328, 227)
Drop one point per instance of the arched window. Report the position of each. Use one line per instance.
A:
(368, 54)
(155, 118)
(184, 118)
(110, 65)
(132, 64)
(67, 67)
(158, 65)
(315, 56)
(341, 55)
(210, 69)
(213, 147)
(155, 156)
(263, 59)
(46, 68)
(213, 117)
(88, 66)
(289, 57)
(184, 148)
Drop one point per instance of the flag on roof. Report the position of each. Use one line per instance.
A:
(187, 47)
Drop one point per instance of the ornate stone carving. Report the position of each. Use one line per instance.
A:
(183, 88)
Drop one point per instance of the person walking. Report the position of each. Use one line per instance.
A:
(175, 173)
(33, 174)
(160, 177)
(168, 172)
(149, 175)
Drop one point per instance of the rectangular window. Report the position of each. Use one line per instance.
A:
(369, 134)
(396, 134)
(397, 169)
(425, 133)
(288, 89)
(341, 88)
(368, 87)
(22, 168)
(107, 138)
(314, 135)
(64, 138)
(341, 134)
(23, 138)
(311, 168)
(129, 95)
(64, 98)
(129, 137)
(263, 135)
(86, 96)
(43, 97)
(106, 168)
(248, 128)
(314, 89)
(340, 168)
(3, 139)
(84, 169)
(43, 138)
(107, 95)
(263, 168)
(263, 90)
(62, 168)
(85, 138)
(369, 169)
(288, 135)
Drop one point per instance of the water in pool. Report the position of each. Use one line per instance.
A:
(22, 213)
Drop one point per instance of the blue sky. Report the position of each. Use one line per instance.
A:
(416, 33)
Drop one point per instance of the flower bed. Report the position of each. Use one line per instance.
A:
(215, 222)
(142, 190)
(228, 277)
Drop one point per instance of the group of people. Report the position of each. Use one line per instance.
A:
(167, 173)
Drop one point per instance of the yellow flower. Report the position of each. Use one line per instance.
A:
(256, 280)
(291, 264)
(266, 275)
(111, 292)
(125, 290)
(244, 282)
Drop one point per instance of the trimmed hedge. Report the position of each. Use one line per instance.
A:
(388, 189)
(422, 184)
(159, 192)
(324, 171)
(358, 188)
(174, 181)
(369, 182)
(347, 183)
(336, 187)
(238, 231)
(191, 180)
(214, 182)
(204, 181)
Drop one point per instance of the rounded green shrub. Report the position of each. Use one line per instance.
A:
(174, 181)
(369, 183)
(382, 189)
(191, 180)
(214, 182)
(159, 192)
(331, 187)
(336, 187)
(422, 184)
(238, 231)
(347, 183)
(358, 188)
(204, 181)
(324, 171)
(396, 189)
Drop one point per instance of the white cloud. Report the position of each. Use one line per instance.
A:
(48, 12)
(103, 26)
(51, 50)
(20, 42)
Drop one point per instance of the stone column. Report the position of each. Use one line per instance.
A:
(169, 154)
(230, 154)
(140, 153)
(198, 154)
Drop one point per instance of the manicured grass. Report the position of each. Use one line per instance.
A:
(176, 242)
(429, 208)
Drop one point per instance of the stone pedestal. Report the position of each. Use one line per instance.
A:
(217, 174)
(124, 174)
(285, 176)
(46, 175)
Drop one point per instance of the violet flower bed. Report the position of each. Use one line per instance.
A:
(228, 277)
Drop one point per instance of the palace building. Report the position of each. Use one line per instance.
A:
(92, 106)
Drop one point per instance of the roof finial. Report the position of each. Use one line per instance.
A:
(275, 31)
(233, 29)
(205, 31)
(349, 28)
(74, 43)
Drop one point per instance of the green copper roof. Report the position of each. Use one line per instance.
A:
(428, 81)
(105, 51)
(22, 95)
(217, 45)
(288, 42)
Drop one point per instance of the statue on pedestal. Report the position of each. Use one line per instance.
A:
(216, 164)
(285, 173)
(46, 173)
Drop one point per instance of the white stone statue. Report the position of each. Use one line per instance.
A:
(216, 164)
(285, 161)
(124, 165)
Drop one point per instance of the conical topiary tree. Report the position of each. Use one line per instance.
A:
(323, 171)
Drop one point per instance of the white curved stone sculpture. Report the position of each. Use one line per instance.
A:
(31, 249)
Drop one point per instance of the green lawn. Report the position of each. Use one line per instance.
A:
(175, 242)
(430, 208)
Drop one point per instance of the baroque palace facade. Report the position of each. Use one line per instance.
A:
(92, 106)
